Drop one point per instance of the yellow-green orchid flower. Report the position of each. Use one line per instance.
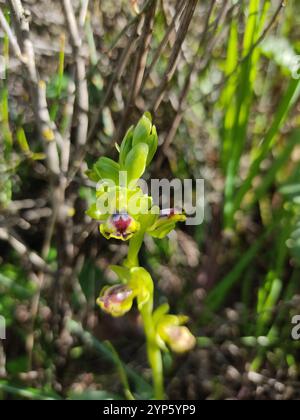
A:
(119, 226)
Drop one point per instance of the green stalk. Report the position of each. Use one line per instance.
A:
(135, 245)
(153, 351)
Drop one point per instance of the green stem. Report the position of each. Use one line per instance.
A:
(153, 351)
(135, 245)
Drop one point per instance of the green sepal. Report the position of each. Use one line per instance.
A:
(162, 231)
(163, 226)
(94, 213)
(123, 273)
(160, 312)
(142, 283)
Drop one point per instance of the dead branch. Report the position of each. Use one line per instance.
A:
(173, 61)
(22, 249)
(47, 128)
(82, 95)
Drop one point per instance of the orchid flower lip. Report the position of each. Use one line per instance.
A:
(120, 225)
(122, 222)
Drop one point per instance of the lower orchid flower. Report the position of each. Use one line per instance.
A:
(116, 300)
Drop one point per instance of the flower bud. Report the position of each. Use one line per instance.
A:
(139, 147)
(172, 333)
(179, 338)
(116, 300)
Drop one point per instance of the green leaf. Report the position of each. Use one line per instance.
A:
(153, 144)
(288, 100)
(126, 146)
(22, 140)
(58, 87)
(105, 169)
(122, 373)
(28, 393)
(142, 131)
(136, 162)
(141, 386)
(92, 175)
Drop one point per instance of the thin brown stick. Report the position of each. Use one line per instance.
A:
(173, 61)
(139, 67)
(194, 67)
(132, 22)
(47, 128)
(116, 77)
(143, 52)
(30, 256)
(164, 42)
(82, 95)
(122, 63)
(12, 39)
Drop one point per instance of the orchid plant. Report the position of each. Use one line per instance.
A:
(125, 213)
